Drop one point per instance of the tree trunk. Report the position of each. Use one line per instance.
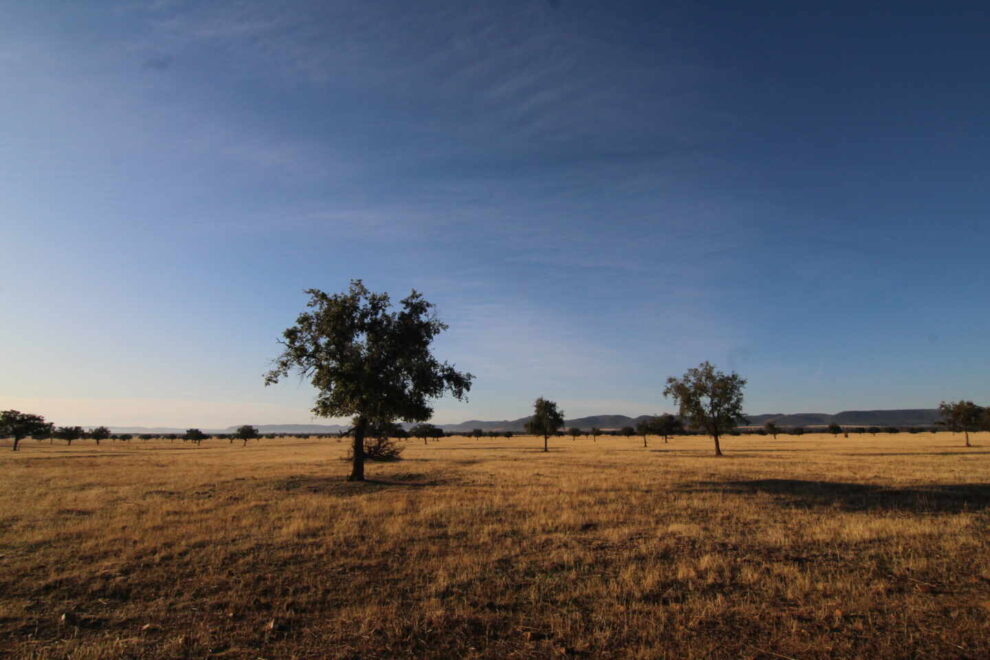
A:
(424, 440)
(644, 441)
(17, 441)
(245, 442)
(97, 442)
(357, 466)
(718, 449)
(966, 433)
(545, 448)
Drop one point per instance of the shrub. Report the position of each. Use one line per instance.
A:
(378, 449)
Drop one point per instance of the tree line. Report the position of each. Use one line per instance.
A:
(374, 364)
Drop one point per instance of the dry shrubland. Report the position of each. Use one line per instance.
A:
(799, 547)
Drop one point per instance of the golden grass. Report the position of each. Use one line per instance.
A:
(798, 547)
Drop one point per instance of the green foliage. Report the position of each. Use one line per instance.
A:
(834, 429)
(99, 433)
(961, 417)
(627, 431)
(709, 400)
(17, 425)
(194, 435)
(574, 432)
(246, 432)
(368, 361)
(771, 429)
(424, 431)
(69, 433)
(547, 419)
(365, 360)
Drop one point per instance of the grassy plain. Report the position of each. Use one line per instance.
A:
(800, 547)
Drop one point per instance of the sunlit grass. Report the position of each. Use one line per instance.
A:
(808, 546)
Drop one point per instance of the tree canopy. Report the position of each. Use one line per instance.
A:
(368, 361)
(18, 425)
(547, 419)
(961, 417)
(709, 400)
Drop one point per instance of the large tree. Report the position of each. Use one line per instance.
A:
(547, 419)
(709, 400)
(961, 417)
(17, 425)
(367, 361)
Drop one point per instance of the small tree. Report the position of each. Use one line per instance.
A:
(644, 427)
(367, 361)
(547, 419)
(961, 417)
(17, 425)
(834, 429)
(574, 432)
(627, 431)
(668, 425)
(99, 433)
(69, 433)
(477, 433)
(425, 431)
(595, 432)
(245, 433)
(771, 429)
(508, 435)
(44, 432)
(195, 435)
(709, 400)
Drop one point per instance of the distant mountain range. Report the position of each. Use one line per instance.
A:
(907, 417)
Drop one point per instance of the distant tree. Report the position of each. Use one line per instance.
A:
(595, 432)
(17, 425)
(709, 400)
(961, 417)
(99, 433)
(645, 427)
(123, 436)
(627, 431)
(668, 425)
(195, 435)
(368, 361)
(69, 433)
(44, 432)
(507, 434)
(796, 430)
(425, 432)
(574, 432)
(547, 419)
(245, 433)
(873, 430)
(477, 433)
(834, 429)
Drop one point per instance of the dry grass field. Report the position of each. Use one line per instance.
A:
(800, 547)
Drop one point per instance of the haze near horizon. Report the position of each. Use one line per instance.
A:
(596, 197)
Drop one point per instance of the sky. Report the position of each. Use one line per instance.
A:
(595, 195)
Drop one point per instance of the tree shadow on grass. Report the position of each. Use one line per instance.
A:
(943, 498)
(338, 485)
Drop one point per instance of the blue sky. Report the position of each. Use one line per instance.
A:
(596, 196)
